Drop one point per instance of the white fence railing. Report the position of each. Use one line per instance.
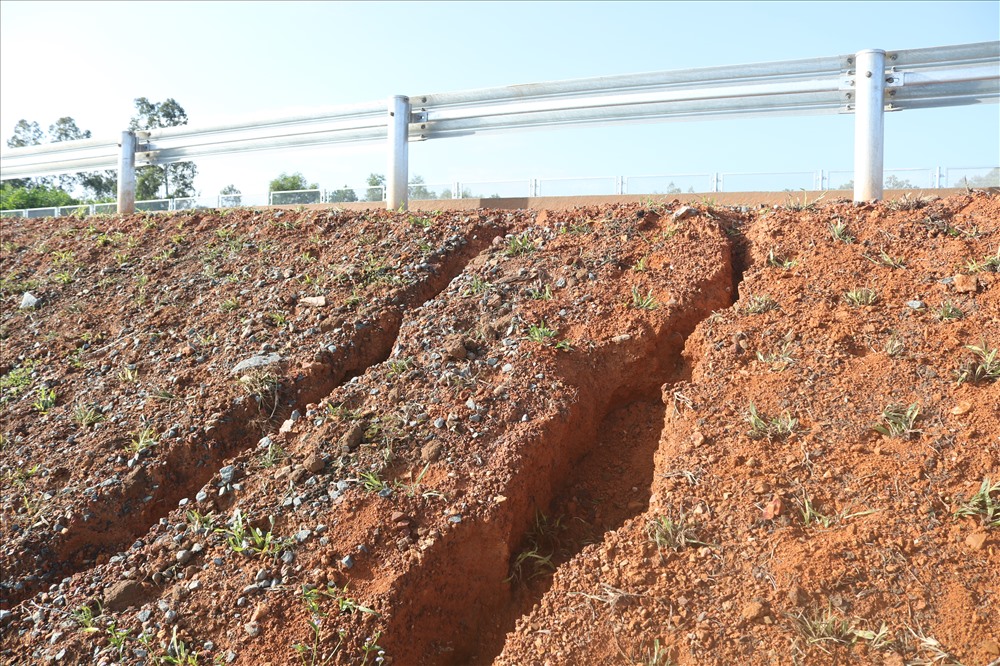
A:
(866, 84)
(704, 183)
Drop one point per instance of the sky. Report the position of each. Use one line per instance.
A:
(223, 61)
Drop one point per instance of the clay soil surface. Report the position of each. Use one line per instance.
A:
(639, 433)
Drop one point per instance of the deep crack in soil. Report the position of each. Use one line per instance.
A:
(118, 515)
(619, 434)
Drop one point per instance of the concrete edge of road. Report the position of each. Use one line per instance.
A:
(563, 203)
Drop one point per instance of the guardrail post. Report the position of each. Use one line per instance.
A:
(937, 178)
(457, 191)
(126, 174)
(397, 179)
(869, 117)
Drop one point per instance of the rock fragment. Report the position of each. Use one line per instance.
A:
(966, 284)
(256, 361)
(28, 301)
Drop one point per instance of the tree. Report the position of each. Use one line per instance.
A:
(891, 183)
(290, 182)
(446, 193)
(33, 196)
(66, 129)
(25, 134)
(229, 196)
(176, 179)
(894, 183)
(417, 190)
(376, 187)
(345, 194)
(990, 179)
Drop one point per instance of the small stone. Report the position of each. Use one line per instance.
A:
(5, 616)
(991, 647)
(314, 463)
(184, 556)
(226, 474)
(122, 595)
(350, 440)
(753, 611)
(797, 596)
(28, 300)
(773, 508)
(683, 212)
(347, 561)
(966, 284)
(252, 629)
(976, 540)
(430, 452)
(314, 301)
(961, 408)
(257, 361)
(454, 348)
(915, 305)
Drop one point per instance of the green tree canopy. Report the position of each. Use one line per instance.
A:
(25, 134)
(230, 196)
(34, 196)
(417, 189)
(376, 187)
(176, 180)
(287, 183)
(344, 194)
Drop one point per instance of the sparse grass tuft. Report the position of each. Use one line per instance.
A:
(885, 259)
(838, 229)
(675, 533)
(984, 368)
(760, 304)
(142, 440)
(810, 516)
(45, 400)
(861, 296)
(805, 204)
(477, 286)
(540, 293)
(86, 416)
(894, 346)
(264, 387)
(779, 261)
(898, 420)
(822, 628)
(518, 245)
(647, 302)
(540, 333)
(779, 427)
(984, 504)
(949, 310)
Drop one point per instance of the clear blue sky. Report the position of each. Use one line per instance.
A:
(223, 61)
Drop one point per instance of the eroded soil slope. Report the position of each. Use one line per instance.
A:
(620, 434)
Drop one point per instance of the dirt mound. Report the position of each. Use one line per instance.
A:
(619, 434)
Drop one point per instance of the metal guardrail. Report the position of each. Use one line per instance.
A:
(866, 84)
